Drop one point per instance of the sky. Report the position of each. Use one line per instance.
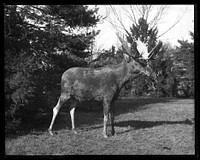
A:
(180, 31)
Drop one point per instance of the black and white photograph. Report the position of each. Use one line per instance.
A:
(99, 79)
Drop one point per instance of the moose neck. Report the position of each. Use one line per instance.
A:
(129, 71)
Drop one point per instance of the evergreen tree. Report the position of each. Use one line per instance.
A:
(184, 65)
(41, 42)
(143, 85)
(145, 33)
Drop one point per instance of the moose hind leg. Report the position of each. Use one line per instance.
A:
(55, 112)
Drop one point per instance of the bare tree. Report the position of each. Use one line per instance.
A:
(152, 14)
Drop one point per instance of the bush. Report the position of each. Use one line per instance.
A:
(19, 86)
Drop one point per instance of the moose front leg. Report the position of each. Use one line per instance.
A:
(106, 108)
(105, 120)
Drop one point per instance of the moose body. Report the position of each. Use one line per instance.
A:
(99, 84)
(89, 84)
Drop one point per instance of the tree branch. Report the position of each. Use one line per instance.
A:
(172, 25)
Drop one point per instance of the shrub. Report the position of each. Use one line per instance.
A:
(19, 86)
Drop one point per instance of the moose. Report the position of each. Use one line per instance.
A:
(100, 84)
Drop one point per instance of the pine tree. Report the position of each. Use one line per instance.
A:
(145, 33)
(143, 84)
(41, 42)
(184, 64)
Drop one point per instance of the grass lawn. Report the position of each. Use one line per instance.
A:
(143, 126)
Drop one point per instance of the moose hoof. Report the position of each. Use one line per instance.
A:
(74, 131)
(50, 132)
(113, 134)
(105, 136)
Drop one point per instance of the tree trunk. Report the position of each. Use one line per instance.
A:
(174, 88)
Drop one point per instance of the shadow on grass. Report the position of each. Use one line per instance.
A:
(135, 125)
(91, 117)
(126, 105)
